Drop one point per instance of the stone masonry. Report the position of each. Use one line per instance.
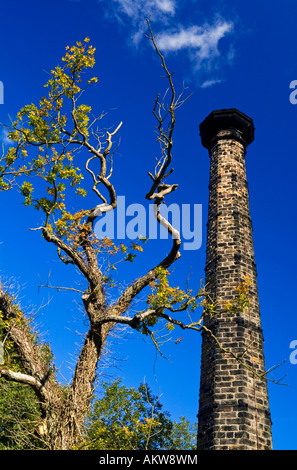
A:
(233, 402)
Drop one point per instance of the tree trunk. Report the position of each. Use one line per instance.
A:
(68, 426)
(63, 410)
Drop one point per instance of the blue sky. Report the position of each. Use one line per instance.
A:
(228, 54)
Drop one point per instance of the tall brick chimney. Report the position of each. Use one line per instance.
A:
(233, 402)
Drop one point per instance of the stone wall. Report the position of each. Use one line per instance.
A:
(233, 403)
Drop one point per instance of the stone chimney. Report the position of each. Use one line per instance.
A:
(233, 402)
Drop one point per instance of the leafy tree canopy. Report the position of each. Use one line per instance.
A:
(134, 419)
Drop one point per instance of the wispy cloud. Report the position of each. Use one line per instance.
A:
(137, 9)
(4, 138)
(209, 83)
(201, 43)
(136, 12)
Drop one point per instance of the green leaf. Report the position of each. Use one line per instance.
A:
(130, 257)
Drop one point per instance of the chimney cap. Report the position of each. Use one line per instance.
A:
(226, 119)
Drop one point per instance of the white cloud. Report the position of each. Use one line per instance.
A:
(200, 41)
(138, 9)
(209, 83)
(4, 138)
(136, 12)
(166, 6)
